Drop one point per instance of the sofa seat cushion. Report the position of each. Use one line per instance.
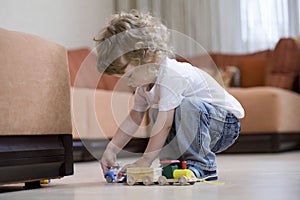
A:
(97, 113)
(268, 110)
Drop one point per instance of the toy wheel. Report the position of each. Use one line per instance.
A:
(182, 180)
(192, 182)
(162, 180)
(109, 179)
(130, 180)
(147, 180)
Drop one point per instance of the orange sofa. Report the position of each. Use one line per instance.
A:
(268, 89)
(269, 92)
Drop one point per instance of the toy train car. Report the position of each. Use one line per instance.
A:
(147, 175)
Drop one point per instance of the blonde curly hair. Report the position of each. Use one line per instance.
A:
(135, 36)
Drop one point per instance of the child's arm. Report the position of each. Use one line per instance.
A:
(121, 138)
(157, 140)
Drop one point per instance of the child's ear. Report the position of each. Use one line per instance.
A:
(148, 56)
(148, 52)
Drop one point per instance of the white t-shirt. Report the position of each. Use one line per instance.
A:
(177, 80)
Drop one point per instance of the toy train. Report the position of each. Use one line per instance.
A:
(171, 172)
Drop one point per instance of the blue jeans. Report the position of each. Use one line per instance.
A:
(199, 131)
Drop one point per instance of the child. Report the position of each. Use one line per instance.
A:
(192, 116)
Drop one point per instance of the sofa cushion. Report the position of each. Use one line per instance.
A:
(247, 63)
(98, 113)
(35, 89)
(84, 74)
(224, 59)
(284, 66)
(268, 110)
(252, 71)
(83, 71)
(230, 76)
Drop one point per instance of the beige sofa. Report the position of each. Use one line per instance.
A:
(268, 92)
(35, 117)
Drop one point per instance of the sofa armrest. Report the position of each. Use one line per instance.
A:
(35, 88)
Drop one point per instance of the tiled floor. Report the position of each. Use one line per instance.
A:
(246, 176)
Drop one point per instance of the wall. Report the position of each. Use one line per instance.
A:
(71, 23)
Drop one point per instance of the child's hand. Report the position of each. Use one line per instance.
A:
(108, 160)
(141, 162)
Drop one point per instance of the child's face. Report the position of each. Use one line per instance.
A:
(137, 76)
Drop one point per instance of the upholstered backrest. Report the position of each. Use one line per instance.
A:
(284, 67)
(252, 67)
(35, 88)
(84, 74)
(279, 67)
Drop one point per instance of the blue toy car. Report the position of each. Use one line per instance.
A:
(114, 175)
